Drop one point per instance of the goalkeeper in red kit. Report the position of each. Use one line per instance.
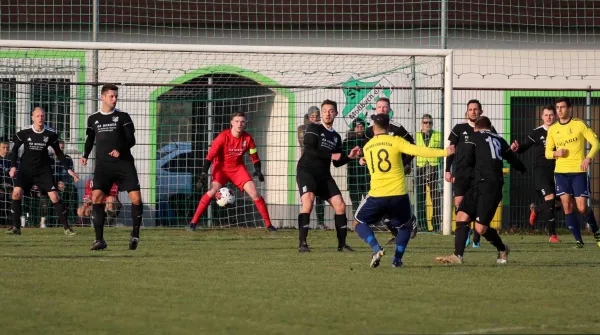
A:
(227, 151)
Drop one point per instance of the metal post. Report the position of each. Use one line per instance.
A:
(588, 119)
(444, 25)
(209, 113)
(413, 84)
(95, 54)
(448, 76)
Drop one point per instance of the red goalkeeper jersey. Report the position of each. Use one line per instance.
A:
(229, 150)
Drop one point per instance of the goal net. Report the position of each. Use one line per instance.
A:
(181, 97)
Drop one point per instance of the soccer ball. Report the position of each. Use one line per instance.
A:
(225, 197)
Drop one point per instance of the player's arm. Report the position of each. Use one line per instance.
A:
(529, 142)
(453, 138)
(129, 131)
(255, 160)
(15, 152)
(511, 157)
(406, 159)
(344, 159)
(301, 130)
(311, 144)
(404, 146)
(59, 153)
(90, 138)
(216, 147)
(550, 146)
(591, 137)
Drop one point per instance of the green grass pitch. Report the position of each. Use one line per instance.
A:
(253, 282)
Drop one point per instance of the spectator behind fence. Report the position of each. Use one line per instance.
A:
(313, 116)
(357, 176)
(112, 208)
(66, 187)
(428, 174)
(6, 184)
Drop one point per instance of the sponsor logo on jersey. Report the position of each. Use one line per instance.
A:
(45, 139)
(115, 119)
(243, 144)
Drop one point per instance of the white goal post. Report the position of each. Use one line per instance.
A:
(144, 64)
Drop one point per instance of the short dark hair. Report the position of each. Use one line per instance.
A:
(239, 114)
(474, 101)
(427, 116)
(381, 120)
(385, 99)
(483, 122)
(565, 100)
(4, 140)
(357, 122)
(109, 87)
(550, 108)
(329, 102)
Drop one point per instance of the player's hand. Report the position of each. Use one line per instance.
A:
(13, 172)
(336, 157)
(561, 152)
(407, 170)
(259, 175)
(451, 149)
(585, 164)
(448, 177)
(83, 161)
(202, 181)
(362, 161)
(114, 153)
(355, 152)
(514, 146)
(73, 174)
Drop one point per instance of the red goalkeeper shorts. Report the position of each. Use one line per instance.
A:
(238, 176)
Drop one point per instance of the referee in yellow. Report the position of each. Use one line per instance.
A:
(566, 143)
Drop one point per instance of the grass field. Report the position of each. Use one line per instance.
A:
(250, 281)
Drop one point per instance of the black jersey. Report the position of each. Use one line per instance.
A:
(35, 158)
(111, 131)
(395, 129)
(485, 151)
(319, 144)
(460, 134)
(537, 140)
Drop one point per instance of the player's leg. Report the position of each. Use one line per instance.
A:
(549, 214)
(110, 208)
(307, 186)
(421, 196)
(103, 178)
(250, 188)
(564, 190)
(400, 212)
(218, 180)
(370, 211)
(330, 191)
(83, 212)
(340, 220)
(17, 195)
(126, 177)
(45, 183)
(489, 199)
(581, 192)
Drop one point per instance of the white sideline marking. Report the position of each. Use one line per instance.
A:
(504, 329)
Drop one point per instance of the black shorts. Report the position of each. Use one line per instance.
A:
(123, 173)
(322, 186)
(462, 184)
(481, 202)
(43, 180)
(543, 180)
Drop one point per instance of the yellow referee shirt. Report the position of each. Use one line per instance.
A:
(571, 136)
(383, 154)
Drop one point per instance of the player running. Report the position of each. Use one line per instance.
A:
(114, 134)
(227, 151)
(568, 137)
(485, 151)
(388, 195)
(543, 171)
(36, 169)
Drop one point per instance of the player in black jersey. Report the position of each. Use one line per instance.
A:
(458, 171)
(322, 145)
(484, 151)
(543, 171)
(395, 129)
(36, 168)
(113, 131)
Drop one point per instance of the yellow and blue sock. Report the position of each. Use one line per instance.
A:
(366, 234)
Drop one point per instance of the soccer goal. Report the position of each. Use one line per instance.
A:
(181, 96)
